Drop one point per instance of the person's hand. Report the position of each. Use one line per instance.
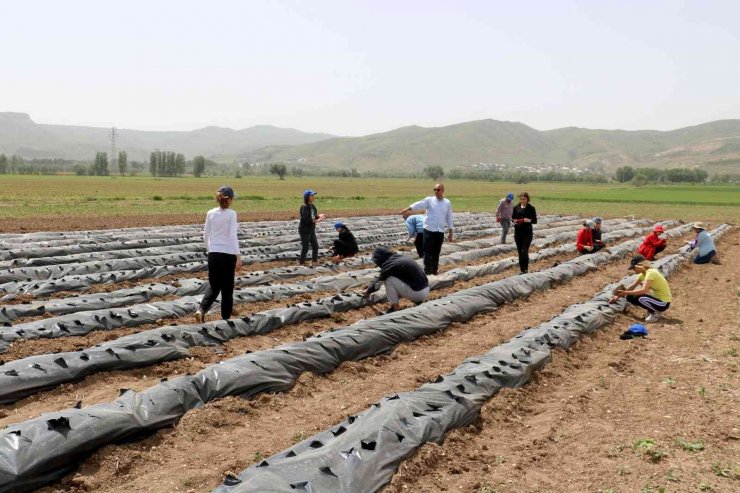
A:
(588, 248)
(619, 293)
(322, 216)
(450, 239)
(239, 264)
(526, 220)
(409, 240)
(613, 299)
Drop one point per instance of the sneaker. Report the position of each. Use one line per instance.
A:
(199, 316)
(653, 317)
(389, 310)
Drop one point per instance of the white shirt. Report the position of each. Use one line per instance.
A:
(219, 232)
(439, 213)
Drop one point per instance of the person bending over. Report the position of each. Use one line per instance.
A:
(704, 244)
(653, 244)
(402, 277)
(654, 295)
(344, 246)
(415, 228)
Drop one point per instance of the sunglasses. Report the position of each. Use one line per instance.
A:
(437, 189)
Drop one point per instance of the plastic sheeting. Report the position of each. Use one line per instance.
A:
(101, 316)
(27, 376)
(37, 451)
(363, 452)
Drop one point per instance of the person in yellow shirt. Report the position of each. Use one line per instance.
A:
(654, 295)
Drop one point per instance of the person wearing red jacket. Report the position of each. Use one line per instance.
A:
(653, 244)
(584, 239)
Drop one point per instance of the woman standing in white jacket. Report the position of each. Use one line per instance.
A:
(224, 257)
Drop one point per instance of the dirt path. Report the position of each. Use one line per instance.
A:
(583, 425)
(229, 434)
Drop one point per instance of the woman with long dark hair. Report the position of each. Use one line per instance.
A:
(523, 217)
(224, 257)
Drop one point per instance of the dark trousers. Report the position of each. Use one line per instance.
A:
(344, 249)
(523, 239)
(432, 248)
(649, 303)
(309, 237)
(419, 244)
(705, 259)
(221, 269)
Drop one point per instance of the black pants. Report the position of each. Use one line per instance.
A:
(523, 239)
(221, 269)
(432, 248)
(419, 244)
(306, 238)
(649, 303)
(344, 249)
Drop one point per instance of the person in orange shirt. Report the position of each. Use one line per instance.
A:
(653, 244)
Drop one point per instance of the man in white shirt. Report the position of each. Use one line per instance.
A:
(438, 220)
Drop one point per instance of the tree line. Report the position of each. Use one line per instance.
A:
(642, 176)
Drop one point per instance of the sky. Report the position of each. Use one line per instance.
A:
(351, 67)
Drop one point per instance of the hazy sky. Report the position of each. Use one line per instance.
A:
(356, 67)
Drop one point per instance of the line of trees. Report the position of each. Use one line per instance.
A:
(166, 163)
(641, 176)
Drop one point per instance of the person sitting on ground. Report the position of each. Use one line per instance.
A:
(584, 240)
(654, 295)
(346, 245)
(596, 234)
(653, 244)
(402, 277)
(415, 228)
(704, 243)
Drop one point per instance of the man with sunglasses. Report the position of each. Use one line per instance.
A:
(438, 220)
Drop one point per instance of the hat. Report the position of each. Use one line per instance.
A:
(637, 259)
(589, 223)
(597, 220)
(697, 226)
(635, 330)
(658, 228)
(308, 193)
(226, 191)
(338, 225)
(509, 196)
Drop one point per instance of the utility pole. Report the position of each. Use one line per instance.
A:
(113, 156)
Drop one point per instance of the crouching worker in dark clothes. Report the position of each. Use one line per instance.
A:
(346, 245)
(402, 277)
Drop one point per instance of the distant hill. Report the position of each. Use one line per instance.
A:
(713, 146)
(21, 135)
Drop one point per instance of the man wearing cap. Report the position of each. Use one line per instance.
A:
(438, 220)
(653, 244)
(704, 244)
(346, 245)
(596, 234)
(504, 211)
(654, 295)
(309, 216)
(401, 276)
(584, 240)
(415, 228)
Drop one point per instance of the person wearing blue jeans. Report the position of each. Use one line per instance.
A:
(704, 244)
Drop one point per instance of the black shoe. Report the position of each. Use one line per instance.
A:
(525, 272)
(389, 310)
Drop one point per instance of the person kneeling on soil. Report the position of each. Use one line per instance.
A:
(596, 235)
(402, 277)
(653, 244)
(704, 244)
(584, 238)
(654, 295)
(346, 245)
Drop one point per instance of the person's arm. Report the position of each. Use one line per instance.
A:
(532, 213)
(422, 205)
(624, 292)
(646, 286)
(306, 217)
(234, 237)
(207, 232)
(449, 223)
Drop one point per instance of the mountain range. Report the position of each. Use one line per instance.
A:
(713, 146)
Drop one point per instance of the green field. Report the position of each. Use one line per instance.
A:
(49, 196)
